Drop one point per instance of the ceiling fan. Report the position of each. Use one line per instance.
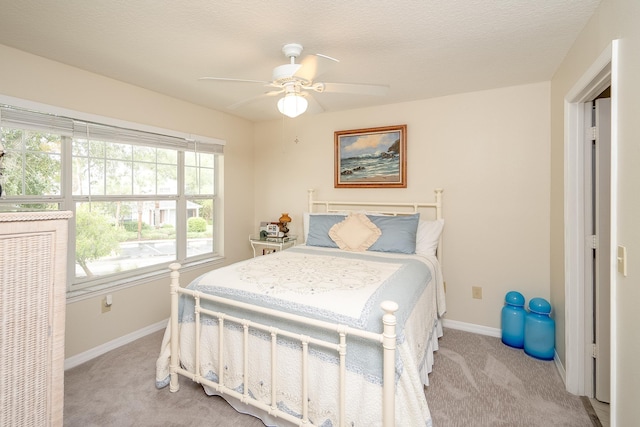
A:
(296, 81)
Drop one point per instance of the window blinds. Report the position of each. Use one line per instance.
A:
(32, 120)
(44, 122)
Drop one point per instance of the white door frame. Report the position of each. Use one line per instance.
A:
(578, 300)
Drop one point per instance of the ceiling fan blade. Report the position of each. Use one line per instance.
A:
(239, 104)
(358, 89)
(224, 79)
(314, 106)
(314, 65)
(274, 92)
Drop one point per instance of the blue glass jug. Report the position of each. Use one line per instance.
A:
(539, 330)
(513, 317)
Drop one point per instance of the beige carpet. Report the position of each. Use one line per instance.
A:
(477, 381)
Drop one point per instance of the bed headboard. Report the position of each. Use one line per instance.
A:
(386, 208)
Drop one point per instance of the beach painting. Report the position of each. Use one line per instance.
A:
(373, 157)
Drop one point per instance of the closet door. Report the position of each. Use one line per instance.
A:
(33, 249)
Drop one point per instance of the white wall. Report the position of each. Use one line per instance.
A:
(37, 79)
(614, 19)
(489, 151)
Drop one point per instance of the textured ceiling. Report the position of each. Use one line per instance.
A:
(419, 48)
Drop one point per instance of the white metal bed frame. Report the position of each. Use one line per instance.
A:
(387, 338)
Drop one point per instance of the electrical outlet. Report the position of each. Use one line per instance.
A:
(106, 305)
(476, 292)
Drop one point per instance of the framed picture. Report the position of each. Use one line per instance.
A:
(373, 157)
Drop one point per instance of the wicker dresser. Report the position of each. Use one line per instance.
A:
(33, 253)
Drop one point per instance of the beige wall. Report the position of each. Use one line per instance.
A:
(37, 79)
(614, 19)
(489, 151)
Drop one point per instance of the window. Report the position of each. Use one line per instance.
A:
(141, 200)
(35, 165)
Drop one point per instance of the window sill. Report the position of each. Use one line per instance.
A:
(117, 285)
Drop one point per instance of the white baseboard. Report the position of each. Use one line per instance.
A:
(471, 327)
(559, 367)
(83, 357)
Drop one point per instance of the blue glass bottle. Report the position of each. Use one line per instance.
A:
(539, 330)
(513, 316)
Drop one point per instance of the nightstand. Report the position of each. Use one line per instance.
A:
(271, 244)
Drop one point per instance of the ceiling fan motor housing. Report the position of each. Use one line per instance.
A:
(285, 73)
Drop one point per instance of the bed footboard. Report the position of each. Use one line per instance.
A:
(387, 339)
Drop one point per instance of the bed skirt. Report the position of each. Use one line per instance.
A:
(270, 421)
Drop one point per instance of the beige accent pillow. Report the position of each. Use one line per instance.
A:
(356, 233)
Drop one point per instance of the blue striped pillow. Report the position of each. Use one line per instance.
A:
(398, 233)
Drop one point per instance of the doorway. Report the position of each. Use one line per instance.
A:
(598, 231)
(579, 293)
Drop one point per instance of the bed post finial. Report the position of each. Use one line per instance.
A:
(439, 202)
(310, 199)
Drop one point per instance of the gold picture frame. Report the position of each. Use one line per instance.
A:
(371, 157)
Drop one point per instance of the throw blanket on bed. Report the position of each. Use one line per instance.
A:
(334, 286)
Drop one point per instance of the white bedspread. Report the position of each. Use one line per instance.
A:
(332, 285)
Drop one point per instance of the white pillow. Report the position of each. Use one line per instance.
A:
(356, 233)
(428, 236)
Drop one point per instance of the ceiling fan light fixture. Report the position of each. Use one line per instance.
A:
(292, 105)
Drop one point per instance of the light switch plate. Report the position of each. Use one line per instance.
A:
(622, 260)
